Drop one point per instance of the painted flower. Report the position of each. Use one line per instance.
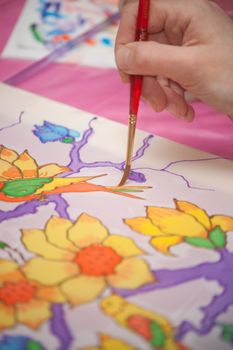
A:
(14, 166)
(24, 301)
(110, 343)
(21, 179)
(151, 326)
(49, 132)
(186, 223)
(83, 259)
(8, 342)
(20, 175)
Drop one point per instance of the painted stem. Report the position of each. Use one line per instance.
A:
(220, 271)
(22, 209)
(32, 207)
(59, 327)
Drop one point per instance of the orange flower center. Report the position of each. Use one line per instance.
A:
(98, 260)
(19, 292)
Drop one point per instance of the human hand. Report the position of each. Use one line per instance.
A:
(190, 48)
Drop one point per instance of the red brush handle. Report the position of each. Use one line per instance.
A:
(141, 35)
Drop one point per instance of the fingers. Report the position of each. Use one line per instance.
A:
(178, 106)
(164, 94)
(153, 93)
(151, 58)
(126, 32)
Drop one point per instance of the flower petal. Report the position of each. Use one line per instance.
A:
(110, 343)
(36, 242)
(58, 182)
(225, 222)
(9, 171)
(83, 289)
(27, 165)
(13, 276)
(8, 154)
(9, 271)
(33, 313)
(124, 246)
(56, 232)
(198, 213)
(164, 243)
(52, 294)
(7, 317)
(143, 225)
(86, 231)
(131, 273)
(7, 266)
(172, 221)
(49, 272)
(50, 170)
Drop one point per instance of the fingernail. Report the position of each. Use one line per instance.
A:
(123, 58)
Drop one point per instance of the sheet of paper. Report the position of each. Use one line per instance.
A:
(85, 264)
(44, 25)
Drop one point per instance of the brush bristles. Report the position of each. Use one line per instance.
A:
(125, 175)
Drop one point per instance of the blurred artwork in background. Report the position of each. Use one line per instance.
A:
(45, 25)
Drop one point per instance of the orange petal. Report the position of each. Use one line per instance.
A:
(164, 243)
(172, 221)
(225, 222)
(50, 170)
(195, 211)
(51, 294)
(9, 271)
(33, 313)
(8, 154)
(9, 171)
(14, 276)
(2, 179)
(63, 184)
(27, 165)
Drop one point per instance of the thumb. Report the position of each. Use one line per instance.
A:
(152, 58)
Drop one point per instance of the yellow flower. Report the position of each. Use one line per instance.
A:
(23, 301)
(82, 258)
(110, 343)
(15, 166)
(186, 223)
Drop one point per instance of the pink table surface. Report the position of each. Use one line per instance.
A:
(100, 91)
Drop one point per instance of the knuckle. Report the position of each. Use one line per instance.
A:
(140, 58)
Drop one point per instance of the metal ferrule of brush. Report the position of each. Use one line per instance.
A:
(131, 137)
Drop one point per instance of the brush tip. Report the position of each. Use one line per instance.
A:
(125, 176)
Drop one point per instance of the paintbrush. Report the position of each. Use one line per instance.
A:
(135, 86)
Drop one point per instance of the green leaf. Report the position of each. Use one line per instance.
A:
(24, 187)
(158, 336)
(33, 345)
(217, 237)
(200, 242)
(68, 139)
(3, 245)
(227, 333)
